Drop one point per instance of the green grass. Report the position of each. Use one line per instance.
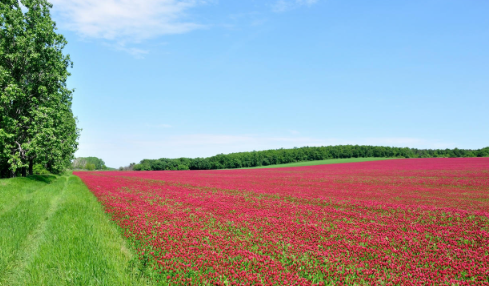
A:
(321, 162)
(53, 231)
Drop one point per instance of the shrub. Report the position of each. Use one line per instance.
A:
(39, 169)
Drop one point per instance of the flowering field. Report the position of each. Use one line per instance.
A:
(401, 222)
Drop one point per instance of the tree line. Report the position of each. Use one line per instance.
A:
(284, 156)
(37, 126)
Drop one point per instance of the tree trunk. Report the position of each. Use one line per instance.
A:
(24, 172)
(31, 166)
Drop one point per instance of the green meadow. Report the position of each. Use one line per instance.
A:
(53, 231)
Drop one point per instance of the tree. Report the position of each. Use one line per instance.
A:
(82, 162)
(90, 167)
(37, 125)
(484, 152)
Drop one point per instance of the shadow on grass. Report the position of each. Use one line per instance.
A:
(48, 179)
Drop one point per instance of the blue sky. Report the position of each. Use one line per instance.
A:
(168, 78)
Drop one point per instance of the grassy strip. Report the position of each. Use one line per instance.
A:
(55, 232)
(321, 162)
(23, 205)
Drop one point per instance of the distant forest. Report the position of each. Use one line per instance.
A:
(284, 156)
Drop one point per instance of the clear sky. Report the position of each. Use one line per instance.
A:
(193, 78)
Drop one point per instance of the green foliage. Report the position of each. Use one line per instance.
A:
(88, 163)
(303, 154)
(484, 152)
(90, 167)
(39, 169)
(37, 125)
(46, 240)
(182, 167)
(143, 166)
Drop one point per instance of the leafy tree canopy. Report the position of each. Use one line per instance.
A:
(37, 125)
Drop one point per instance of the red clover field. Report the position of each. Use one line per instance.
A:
(393, 222)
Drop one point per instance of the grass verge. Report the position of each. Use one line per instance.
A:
(321, 162)
(55, 232)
